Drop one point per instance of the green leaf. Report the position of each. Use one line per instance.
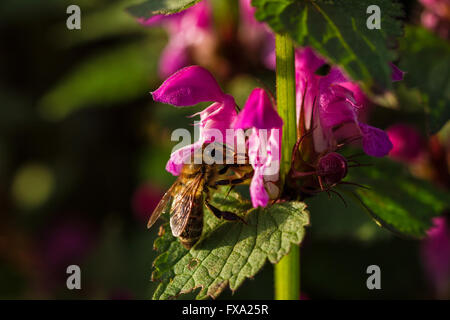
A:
(102, 79)
(337, 29)
(396, 200)
(229, 252)
(431, 78)
(153, 7)
(332, 219)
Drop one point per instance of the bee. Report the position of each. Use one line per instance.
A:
(191, 190)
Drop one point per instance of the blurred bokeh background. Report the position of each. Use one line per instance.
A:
(83, 149)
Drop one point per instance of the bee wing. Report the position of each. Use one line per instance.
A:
(167, 197)
(184, 204)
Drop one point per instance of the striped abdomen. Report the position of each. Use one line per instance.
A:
(193, 230)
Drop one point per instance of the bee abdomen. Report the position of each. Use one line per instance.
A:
(192, 232)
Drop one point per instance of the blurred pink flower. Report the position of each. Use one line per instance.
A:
(191, 27)
(264, 143)
(257, 35)
(64, 242)
(439, 7)
(145, 199)
(436, 16)
(436, 256)
(187, 87)
(407, 143)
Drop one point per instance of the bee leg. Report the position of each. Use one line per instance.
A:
(233, 167)
(233, 181)
(226, 215)
(224, 169)
(229, 190)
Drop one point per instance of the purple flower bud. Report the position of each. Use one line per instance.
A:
(332, 168)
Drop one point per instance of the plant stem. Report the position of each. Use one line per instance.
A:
(287, 271)
(287, 276)
(286, 98)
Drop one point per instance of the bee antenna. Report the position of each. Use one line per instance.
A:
(355, 184)
(298, 143)
(359, 154)
(360, 165)
(341, 197)
(229, 190)
(347, 141)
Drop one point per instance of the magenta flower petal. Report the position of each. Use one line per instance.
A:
(307, 60)
(181, 156)
(337, 106)
(200, 15)
(258, 192)
(358, 94)
(307, 82)
(436, 255)
(264, 148)
(222, 118)
(189, 86)
(334, 77)
(258, 112)
(397, 74)
(336, 113)
(375, 141)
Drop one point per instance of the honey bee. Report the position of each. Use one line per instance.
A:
(191, 190)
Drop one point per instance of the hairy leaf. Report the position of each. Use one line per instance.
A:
(337, 29)
(432, 79)
(229, 252)
(150, 8)
(396, 200)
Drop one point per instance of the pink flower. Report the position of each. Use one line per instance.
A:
(439, 7)
(189, 28)
(407, 143)
(436, 256)
(257, 35)
(264, 144)
(332, 100)
(65, 241)
(436, 16)
(188, 87)
(144, 201)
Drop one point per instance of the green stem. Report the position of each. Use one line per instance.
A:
(287, 276)
(287, 271)
(286, 98)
